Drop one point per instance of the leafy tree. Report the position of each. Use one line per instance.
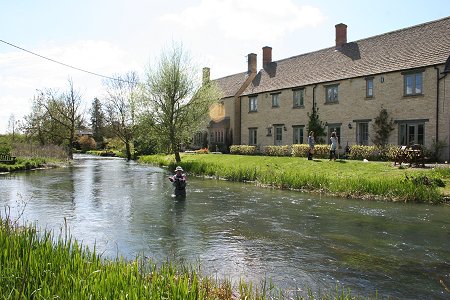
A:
(382, 128)
(121, 108)
(97, 121)
(315, 124)
(176, 103)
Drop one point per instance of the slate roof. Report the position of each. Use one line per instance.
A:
(413, 47)
(231, 84)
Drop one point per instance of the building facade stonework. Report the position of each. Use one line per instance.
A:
(404, 72)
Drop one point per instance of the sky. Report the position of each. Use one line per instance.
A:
(112, 37)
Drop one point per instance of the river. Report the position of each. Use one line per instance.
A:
(240, 231)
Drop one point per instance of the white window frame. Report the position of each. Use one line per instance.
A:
(298, 98)
(413, 83)
(332, 93)
(369, 87)
(276, 100)
(252, 136)
(253, 104)
(298, 135)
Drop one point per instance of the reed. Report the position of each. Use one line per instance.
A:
(38, 265)
(348, 178)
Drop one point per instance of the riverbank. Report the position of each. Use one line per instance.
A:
(35, 264)
(344, 178)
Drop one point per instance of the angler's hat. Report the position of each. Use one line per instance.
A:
(179, 169)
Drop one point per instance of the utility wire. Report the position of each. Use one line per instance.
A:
(66, 65)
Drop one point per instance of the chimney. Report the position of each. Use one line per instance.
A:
(251, 63)
(267, 56)
(206, 75)
(341, 34)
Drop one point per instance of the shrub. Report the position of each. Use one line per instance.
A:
(277, 150)
(87, 143)
(359, 152)
(202, 151)
(243, 149)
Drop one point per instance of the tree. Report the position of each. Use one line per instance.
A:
(382, 127)
(315, 124)
(97, 121)
(121, 107)
(55, 117)
(175, 101)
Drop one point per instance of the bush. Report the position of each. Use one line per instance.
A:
(87, 143)
(277, 150)
(243, 149)
(202, 151)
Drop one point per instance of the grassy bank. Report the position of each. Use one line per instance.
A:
(36, 265)
(346, 178)
(24, 164)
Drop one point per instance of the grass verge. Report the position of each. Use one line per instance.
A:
(345, 178)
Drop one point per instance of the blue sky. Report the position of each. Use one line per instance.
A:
(111, 37)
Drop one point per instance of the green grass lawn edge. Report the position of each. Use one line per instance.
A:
(343, 178)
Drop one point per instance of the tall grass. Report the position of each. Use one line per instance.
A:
(354, 179)
(38, 265)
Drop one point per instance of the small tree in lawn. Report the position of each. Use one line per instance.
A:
(382, 128)
(316, 125)
(174, 101)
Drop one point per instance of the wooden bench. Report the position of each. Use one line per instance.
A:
(414, 156)
(7, 159)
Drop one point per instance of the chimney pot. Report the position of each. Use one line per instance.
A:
(341, 34)
(267, 56)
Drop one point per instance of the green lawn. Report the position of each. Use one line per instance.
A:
(348, 178)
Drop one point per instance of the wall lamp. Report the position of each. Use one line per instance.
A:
(350, 126)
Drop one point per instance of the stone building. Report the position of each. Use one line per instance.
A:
(404, 72)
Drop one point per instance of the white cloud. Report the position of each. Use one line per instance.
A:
(261, 20)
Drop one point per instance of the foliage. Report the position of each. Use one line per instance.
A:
(86, 143)
(35, 150)
(55, 117)
(202, 151)
(316, 125)
(5, 146)
(98, 122)
(360, 152)
(121, 108)
(277, 150)
(243, 149)
(174, 101)
(382, 127)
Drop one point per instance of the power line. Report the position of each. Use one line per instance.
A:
(66, 65)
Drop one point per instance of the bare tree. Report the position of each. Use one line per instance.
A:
(121, 107)
(56, 116)
(175, 100)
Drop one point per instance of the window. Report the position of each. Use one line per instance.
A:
(252, 136)
(298, 96)
(298, 134)
(278, 135)
(331, 94)
(253, 103)
(362, 133)
(413, 84)
(334, 128)
(411, 133)
(369, 87)
(276, 100)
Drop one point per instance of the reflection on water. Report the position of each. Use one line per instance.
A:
(241, 231)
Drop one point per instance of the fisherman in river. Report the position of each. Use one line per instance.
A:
(179, 182)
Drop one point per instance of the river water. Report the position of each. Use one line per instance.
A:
(239, 231)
